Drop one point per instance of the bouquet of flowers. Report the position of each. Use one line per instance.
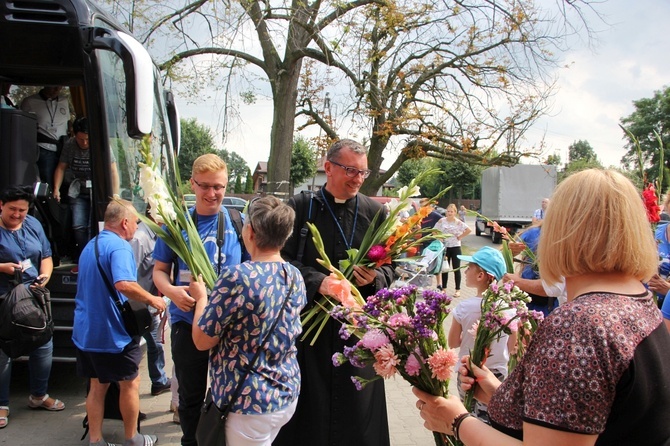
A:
(167, 208)
(504, 311)
(392, 240)
(400, 331)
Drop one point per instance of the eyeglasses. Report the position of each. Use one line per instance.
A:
(206, 187)
(249, 206)
(352, 172)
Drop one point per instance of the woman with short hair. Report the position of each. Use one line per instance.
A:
(245, 302)
(596, 370)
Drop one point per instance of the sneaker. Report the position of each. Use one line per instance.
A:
(158, 389)
(457, 293)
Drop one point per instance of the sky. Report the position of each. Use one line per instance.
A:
(597, 84)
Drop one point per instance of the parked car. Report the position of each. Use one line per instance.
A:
(235, 203)
(189, 199)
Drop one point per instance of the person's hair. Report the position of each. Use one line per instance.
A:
(207, 163)
(596, 224)
(117, 210)
(15, 193)
(452, 206)
(334, 150)
(80, 125)
(271, 220)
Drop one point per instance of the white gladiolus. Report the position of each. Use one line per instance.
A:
(156, 194)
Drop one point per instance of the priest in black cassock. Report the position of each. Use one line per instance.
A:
(330, 410)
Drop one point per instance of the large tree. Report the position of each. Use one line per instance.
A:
(452, 78)
(303, 162)
(581, 150)
(237, 166)
(651, 117)
(459, 80)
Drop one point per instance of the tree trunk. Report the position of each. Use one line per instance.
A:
(285, 94)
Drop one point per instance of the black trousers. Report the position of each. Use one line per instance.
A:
(191, 371)
(451, 257)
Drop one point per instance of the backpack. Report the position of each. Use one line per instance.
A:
(236, 220)
(25, 318)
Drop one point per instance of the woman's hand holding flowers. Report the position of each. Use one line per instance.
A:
(487, 383)
(438, 412)
(197, 289)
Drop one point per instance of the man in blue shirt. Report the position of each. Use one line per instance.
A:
(209, 179)
(105, 350)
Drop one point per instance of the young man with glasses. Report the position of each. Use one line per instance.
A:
(209, 179)
(330, 409)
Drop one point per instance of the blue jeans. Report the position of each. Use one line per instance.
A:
(155, 354)
(46, 164)
(81, 221)
(39, 367)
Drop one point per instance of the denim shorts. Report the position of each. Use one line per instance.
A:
(110, 367)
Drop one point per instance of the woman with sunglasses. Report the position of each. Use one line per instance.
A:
(242, 308)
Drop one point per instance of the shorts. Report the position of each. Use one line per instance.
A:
(110, 367)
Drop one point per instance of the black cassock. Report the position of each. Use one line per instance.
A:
(330, 409)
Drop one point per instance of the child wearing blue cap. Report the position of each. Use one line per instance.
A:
(484, 267)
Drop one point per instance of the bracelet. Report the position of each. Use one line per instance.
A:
(456, 424)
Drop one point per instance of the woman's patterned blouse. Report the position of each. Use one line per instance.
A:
(242, 308)
(568, 378)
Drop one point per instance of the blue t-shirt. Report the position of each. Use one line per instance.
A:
(27, 243)
(98, 325)
(531, 237)
(231, 254)
(245, 302)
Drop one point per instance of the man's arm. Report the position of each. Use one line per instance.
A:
(133, 290)
(531, 286)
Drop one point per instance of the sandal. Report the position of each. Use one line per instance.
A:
(4, 421)
(41, 403)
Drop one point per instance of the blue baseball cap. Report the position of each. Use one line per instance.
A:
(488, 259)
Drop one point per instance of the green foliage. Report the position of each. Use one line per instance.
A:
(196, 140)
(249, 183)
(463, 177)
(554, 160)
(577, 165)
(581, 150)
(303, 161)
(238, 185)
(651, 115)
(237, 167)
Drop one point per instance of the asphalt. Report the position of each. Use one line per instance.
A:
(39, 427)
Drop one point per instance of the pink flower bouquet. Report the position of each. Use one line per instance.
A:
(504, 310)
(400, 331)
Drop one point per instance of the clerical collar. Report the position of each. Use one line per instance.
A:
(339, 201)
(328, 194)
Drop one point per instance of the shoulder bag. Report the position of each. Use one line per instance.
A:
(136, 316)
(211, 429)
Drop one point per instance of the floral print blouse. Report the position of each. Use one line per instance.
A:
(245, 302)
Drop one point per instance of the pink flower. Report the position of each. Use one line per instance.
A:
(442, 362)
(377, 253)
(494, 287)
(386, 362)
(400, 320)
(473, 330)
(412, 366)
(374, 339)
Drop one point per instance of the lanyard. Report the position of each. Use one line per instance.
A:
(52, 114)
(339, 227)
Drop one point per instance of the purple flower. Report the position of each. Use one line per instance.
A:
(357, 382)
(344, 332)
(339, 359)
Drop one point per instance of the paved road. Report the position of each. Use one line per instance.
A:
(36, 428)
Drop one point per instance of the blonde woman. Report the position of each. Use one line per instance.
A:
(596, 371)
(457, 229)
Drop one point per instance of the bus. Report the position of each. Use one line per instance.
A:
(113, 82)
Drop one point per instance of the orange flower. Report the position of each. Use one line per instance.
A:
(411, 251)
(402, 230)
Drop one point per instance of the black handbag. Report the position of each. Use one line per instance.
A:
(211, 430)
(136, 316)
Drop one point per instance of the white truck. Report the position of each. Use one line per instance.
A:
(510, 195)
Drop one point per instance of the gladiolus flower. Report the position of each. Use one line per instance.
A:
(442, 362)
(386, 362)
(376, 253)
